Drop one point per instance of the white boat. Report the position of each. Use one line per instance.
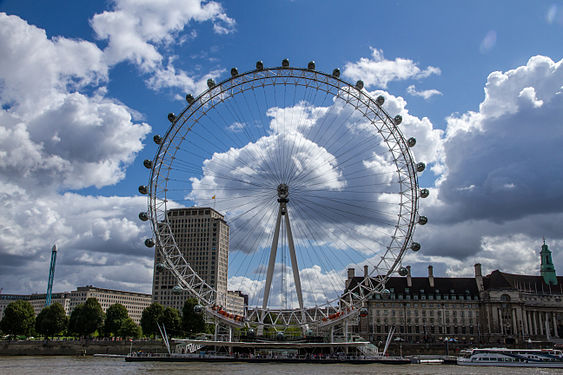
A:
(551, 358)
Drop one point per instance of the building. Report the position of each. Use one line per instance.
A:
(202, 235)
(516, 308)
(423, 309)
(499, 308)
(36, 300)
(134, 302)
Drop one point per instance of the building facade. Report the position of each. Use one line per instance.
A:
(499, 308)
(202, 235)
(36, 300)
(134, 302)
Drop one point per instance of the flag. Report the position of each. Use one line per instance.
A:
(213, 197)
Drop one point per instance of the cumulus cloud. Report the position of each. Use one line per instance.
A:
(378, 71)
(137, 31)
(500, 190)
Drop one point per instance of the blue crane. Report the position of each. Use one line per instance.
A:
(51, 275)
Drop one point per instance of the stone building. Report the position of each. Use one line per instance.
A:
(499, 308)
(134, 302)
(423, 309)
(516, 308)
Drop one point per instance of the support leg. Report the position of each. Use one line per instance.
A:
(272, 261)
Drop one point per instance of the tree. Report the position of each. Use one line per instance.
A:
(172, 321)
(151, 316)
(86, 318)
(191, 321)
(19, 318)
(51, 321)
(115, 315)
(129, 328)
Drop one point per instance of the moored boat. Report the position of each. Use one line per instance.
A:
(550, 358)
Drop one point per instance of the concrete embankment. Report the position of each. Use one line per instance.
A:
(78, 347)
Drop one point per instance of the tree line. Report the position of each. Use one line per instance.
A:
(88, 319)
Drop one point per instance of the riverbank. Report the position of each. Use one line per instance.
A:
(78, 347)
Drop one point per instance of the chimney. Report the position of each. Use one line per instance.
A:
(351, 275)
(431, 276)
(366, 271)
(409, 278)
(479, 278)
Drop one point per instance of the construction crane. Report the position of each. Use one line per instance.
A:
(51, 275)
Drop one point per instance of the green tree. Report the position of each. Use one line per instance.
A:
(86, 318)
(19, 318)
(129, 328)
(191, 321)
(115, 315)
(51, 321)
(172, 321)
(152, 315)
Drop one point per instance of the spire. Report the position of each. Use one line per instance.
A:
(547, 268)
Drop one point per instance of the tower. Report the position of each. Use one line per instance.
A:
(547, 268)
(51, 275)
(202, 235)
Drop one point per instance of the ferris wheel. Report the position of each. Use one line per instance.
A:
(313, 178)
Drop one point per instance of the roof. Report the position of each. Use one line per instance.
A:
(442, 285)
(498, 280)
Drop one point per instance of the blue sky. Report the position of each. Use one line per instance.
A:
(493, 158)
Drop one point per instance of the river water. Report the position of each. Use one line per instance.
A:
(118, 366)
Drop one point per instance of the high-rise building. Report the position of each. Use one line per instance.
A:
(202, 235)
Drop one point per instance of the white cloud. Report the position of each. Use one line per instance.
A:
(501, 191)
(378, 71)
(426, 94)
(488, 42)
(137, 31)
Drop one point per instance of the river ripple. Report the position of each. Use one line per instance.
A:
(100, 366)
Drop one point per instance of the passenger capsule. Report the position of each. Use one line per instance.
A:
(198, 309)
(424, 193)
(360, 84)
(210, 83)
(143, 216)
(259, 65)
(311, 65)
(386, 293)
(149, 242)
(420, 167)
(336, 73)
(190, 98)
(380, 100)
(285, 63)
(160, 267)
(363, 312)
(415, 246)
(411, 142)
(177, 290)
(171, 117)
(403, 271)
(234, 72)
(398, 119)
(147, 163)
(143, 189)
(422, 220)
(157, 139)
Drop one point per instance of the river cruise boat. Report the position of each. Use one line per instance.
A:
(551, 358)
